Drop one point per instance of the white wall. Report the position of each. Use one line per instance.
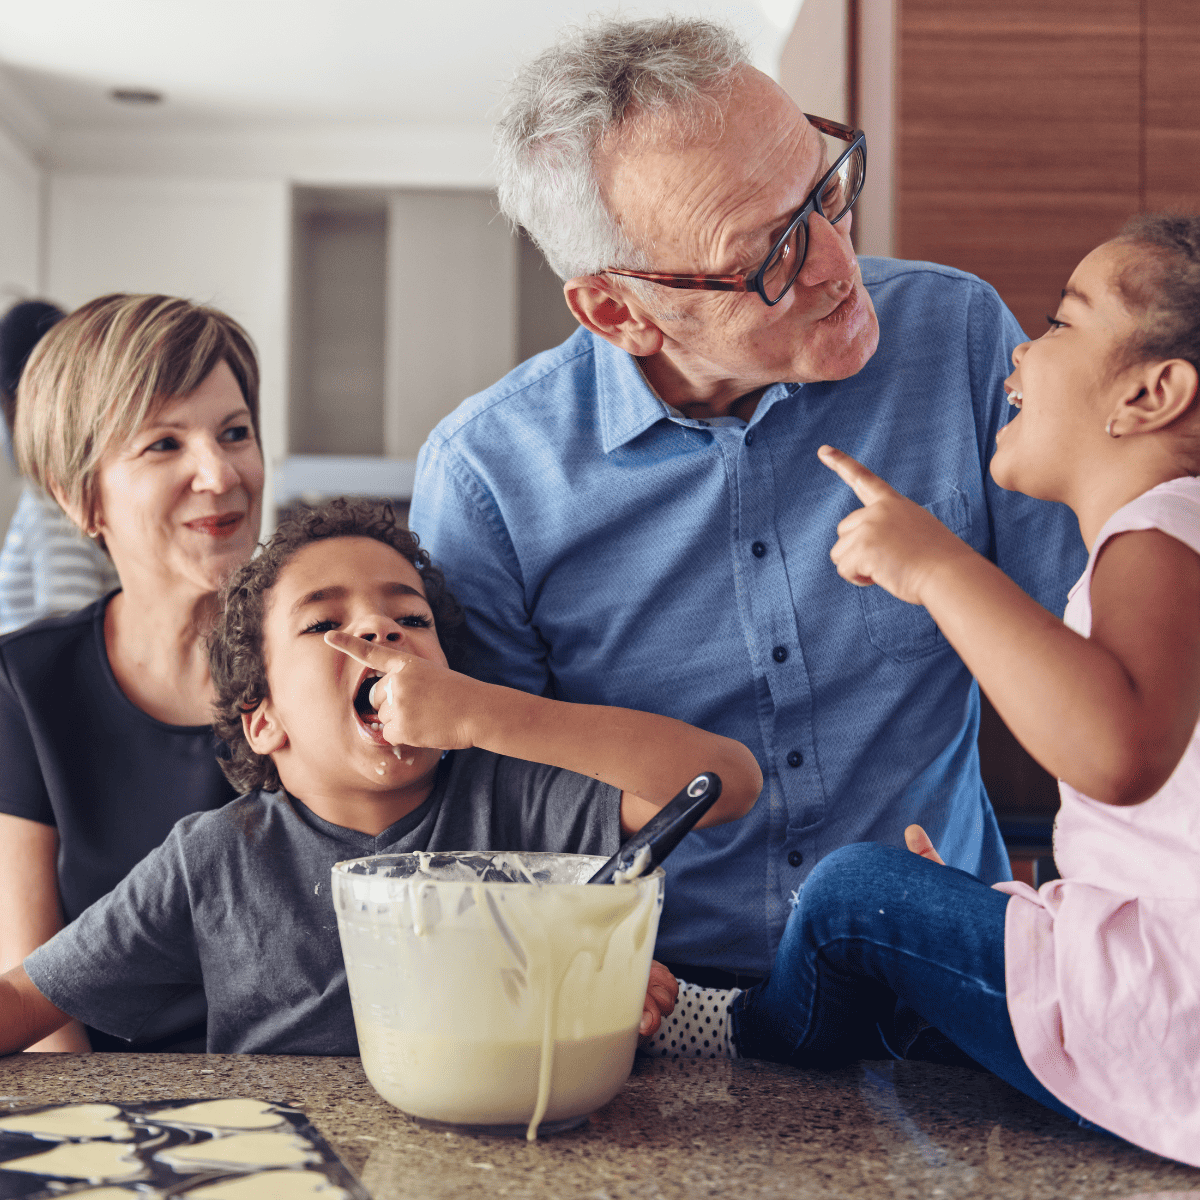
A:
(339, 281)
(452, 267)
(877, 114)
(812, 64)
(215, 241)
(21, 183)
(813, 71)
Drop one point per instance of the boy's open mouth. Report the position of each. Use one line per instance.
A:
(369, 724)
(362, 698)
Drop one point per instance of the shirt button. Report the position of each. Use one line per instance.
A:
(794, 758)
(779, 654)
(758, 549)
(749, 437)
(795, 858)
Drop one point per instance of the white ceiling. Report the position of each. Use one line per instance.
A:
(223, 63)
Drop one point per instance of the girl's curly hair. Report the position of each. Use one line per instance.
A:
(235, 646)
(1162, 287)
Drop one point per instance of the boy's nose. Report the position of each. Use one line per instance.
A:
(378, 629)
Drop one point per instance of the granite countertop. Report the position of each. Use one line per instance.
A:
(677, 1129)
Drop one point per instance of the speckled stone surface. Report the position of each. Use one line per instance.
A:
(740, 1129)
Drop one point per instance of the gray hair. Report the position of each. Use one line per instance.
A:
(562, 107)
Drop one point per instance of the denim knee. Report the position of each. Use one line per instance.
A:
(840, 882)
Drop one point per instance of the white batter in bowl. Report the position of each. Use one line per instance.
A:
(492, 989)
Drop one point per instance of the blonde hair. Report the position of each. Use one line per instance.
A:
(96, 376)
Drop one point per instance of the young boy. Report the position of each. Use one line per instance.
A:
(350, 736)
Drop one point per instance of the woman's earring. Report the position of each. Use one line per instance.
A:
(1109, 428)
(92, 533)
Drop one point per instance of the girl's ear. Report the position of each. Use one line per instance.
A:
(1167, 391)
(263, 729)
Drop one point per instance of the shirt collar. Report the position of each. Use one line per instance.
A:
(628, 405)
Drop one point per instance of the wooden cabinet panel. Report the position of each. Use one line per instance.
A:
(1034, 15)
(1173, 105)
(1018, 138)
(1024, 245)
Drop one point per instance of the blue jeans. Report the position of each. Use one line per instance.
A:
(885, 951)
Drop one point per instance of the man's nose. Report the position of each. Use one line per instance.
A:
(830, 256)
(213, 470)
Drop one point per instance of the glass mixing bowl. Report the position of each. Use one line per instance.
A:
(492, 990)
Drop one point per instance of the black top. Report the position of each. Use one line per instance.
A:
(79, 755)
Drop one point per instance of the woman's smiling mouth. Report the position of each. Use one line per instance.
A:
(220, 525)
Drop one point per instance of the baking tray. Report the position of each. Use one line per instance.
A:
(233, 1148)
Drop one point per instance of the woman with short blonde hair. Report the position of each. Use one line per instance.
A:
(139, 414)
(94, 379)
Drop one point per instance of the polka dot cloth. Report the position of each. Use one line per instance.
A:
(699, 1027)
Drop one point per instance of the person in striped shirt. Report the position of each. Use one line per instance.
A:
(47, 566)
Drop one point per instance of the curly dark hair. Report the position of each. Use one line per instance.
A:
(235, 646)
(1163, 287)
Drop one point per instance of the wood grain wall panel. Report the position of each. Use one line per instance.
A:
(1024, 245)
(1034, 15)
(1173, 105)
(1018, 138)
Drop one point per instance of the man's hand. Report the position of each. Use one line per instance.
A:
(917, 840)
(661, 993)
(420, 702)
(890, 541)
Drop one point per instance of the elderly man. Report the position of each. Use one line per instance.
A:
(638, 517)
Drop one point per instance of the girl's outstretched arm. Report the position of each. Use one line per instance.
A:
(1110, 714)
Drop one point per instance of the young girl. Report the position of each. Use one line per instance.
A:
(1085, 994)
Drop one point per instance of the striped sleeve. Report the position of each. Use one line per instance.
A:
(47, 566)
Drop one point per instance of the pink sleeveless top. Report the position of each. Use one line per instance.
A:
(1103, 965)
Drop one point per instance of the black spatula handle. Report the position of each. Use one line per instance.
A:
(662, 833)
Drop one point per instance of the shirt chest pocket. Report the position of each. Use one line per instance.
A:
(906, 631)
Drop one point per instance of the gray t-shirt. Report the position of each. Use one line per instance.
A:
(237, 903)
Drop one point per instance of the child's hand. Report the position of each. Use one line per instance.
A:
(420, 702)
(661, 993)
(890, 540)
(917, 840)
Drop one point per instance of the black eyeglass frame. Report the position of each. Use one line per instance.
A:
(753, 281)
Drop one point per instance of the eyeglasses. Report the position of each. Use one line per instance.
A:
(833, 198)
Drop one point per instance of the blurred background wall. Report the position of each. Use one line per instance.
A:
(320, 171)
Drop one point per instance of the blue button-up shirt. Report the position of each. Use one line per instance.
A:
(608, 550)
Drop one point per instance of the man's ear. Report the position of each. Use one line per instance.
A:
(1161, 392)
(263, 729)
(612, 313)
